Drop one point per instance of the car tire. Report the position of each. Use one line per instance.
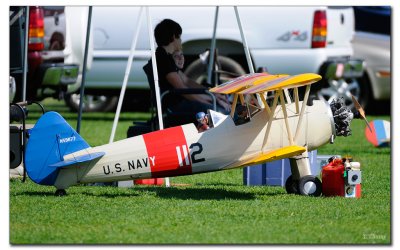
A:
(198, 71)
(92, 103)
(335, 88)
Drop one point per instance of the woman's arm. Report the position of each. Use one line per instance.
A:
(181, 81)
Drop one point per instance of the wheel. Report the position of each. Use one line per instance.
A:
(198, 71)
(291, 185)
(13, 89)
(335, 88)
(92, 103)
(310, 185)
(60, 192)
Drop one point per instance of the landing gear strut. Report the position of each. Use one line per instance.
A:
(302, 181)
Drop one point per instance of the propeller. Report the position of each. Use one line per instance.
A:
(361, 111)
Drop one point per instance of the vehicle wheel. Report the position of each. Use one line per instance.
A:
(310, 185)
(60, 192)
(92, 103)
(198, 71)
(291, 185)
(335, 88)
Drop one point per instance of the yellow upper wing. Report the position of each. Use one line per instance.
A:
(243, 82)
(283, 82)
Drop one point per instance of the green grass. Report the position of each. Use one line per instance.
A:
(214, 208)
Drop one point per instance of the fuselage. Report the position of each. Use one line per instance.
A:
(183, 150)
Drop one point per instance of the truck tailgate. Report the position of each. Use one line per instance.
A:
(340, 33)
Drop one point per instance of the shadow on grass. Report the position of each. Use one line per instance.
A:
(199, 193)
(109, 195)
(214, 192)
(100, 193)
(34, 193)
(202, 193)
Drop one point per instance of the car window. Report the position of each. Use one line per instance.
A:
(375, 19)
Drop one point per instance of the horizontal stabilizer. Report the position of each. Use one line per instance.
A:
(277, 154)
(79, 159)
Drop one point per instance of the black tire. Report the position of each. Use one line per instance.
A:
(291, 185)
(335, 88)
(198, 71)
(310, 186)
(60, 192)
(92, 103)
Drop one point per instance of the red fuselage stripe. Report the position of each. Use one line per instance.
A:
(170, 152)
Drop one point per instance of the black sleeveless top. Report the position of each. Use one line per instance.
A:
(166, 65)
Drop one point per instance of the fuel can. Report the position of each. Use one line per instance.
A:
(332, 178)
(341, 178)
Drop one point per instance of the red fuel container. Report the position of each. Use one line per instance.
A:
(152, 181)
(332, 179)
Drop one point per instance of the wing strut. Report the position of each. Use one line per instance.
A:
(235, 99)
(296, 99)
(288, 99)
(271, 117)
(267, 109)
(283, 104)
(303, 108)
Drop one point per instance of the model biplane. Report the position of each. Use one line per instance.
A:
(284, 127)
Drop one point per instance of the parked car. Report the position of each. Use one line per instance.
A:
(372, 43)
(315, 39)
(48, 74)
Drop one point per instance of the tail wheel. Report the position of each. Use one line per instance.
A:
(310, 185)
(60, 192)
(291, 185)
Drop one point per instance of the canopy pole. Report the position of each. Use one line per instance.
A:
(155, 71)
(82, 90)
(127, 71)
(212, 49)
(155, 75)
(246, 48)
(25, 69)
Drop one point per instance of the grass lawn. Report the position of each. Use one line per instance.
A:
(213, 208)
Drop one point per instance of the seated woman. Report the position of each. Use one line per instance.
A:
(168, 38)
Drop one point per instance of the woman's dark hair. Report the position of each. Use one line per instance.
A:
(165, 32)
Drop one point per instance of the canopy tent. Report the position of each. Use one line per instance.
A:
(154, 64)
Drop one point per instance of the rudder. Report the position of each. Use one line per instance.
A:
(49, 140)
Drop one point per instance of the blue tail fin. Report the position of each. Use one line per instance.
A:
(50, 139)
